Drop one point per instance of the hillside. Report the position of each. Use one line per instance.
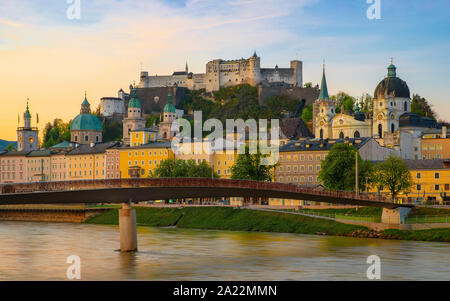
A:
(4, 143)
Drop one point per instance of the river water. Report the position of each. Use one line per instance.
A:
(38, 251)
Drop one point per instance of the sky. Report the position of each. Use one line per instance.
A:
(53, 60)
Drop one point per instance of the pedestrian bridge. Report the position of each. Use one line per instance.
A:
(126, 191)
(145, 189)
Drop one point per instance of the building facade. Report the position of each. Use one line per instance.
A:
(141, 161)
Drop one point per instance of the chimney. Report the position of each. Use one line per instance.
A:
(444, 132)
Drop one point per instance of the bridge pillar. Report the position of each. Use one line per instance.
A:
(127, 225)
(395, 216)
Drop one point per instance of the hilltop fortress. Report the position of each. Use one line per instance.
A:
(221, 73)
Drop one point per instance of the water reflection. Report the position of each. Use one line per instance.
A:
(38, 251)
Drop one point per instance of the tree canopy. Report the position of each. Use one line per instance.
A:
(394, 175)
(56, 132)
(421, 107)
(338, 169)
(177, 168)
(248, 167)
(10, 147)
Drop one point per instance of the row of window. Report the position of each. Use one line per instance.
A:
(149, 153)
(298, 180)
(302, 157)
(437, 187)
(436, 175)
(432, 147)
(296, 168)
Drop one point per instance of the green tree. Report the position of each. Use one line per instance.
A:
(56, 132)
(307, 113)
(248, 167)
(10, 147)
(338, 169)
(112, 130)
(172, 168)
(394, 175)
(308, 85)
(421, 107)
(366, 103)
(344, 100)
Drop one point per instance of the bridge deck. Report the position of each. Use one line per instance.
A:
(123, 190)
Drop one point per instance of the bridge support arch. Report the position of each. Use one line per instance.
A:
(127, 226)
(395, 216)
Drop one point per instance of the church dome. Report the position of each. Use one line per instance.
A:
(392, 86)
(134, 101)
(169, 107)
(86, 122)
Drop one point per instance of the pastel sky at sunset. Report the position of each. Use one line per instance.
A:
(53, 60)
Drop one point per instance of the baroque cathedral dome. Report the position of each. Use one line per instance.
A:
(392, 86)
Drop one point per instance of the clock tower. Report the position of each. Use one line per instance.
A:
(27, 136)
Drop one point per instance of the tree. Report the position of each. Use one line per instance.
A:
(112, 130)
(366, 103)
(10, 147)
(421, 107)
(344, 100)
(56, 133)
(307, 113)
(394, 175)
(172, 168)
(338, 169)
(308, 85)
(248, 167)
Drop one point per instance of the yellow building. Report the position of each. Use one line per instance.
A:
(431, 181)
(140, 161)
(142, 136)
(88, 162)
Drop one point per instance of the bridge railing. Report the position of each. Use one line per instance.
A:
(185, 182)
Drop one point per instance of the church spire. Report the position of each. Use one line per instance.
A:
(392, 70)
(323, 87)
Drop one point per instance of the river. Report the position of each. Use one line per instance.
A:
(38, 251)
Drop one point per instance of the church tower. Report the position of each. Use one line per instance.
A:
(134, 120)
(27, 136)
(326, 111)
(169, 116)
(391, 100)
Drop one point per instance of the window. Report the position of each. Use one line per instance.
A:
(341, 135)
(436, 175)
(447, 187)
(357, 134)
(419, 187)
(419, 175)
(86, 138)
(436, 187)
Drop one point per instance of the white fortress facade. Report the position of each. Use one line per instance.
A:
(220, 73)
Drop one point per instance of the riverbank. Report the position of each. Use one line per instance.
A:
(225, 218)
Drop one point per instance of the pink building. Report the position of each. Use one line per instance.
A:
(113, 163)
(13, 167)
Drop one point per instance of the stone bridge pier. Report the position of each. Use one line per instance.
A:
(127, 225)
(395, 216)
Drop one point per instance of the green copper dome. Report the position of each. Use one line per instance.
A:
(86, 122)
(134, 101)
(169, 107)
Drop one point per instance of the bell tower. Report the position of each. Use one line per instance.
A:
(326, 111)
(27, 136)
